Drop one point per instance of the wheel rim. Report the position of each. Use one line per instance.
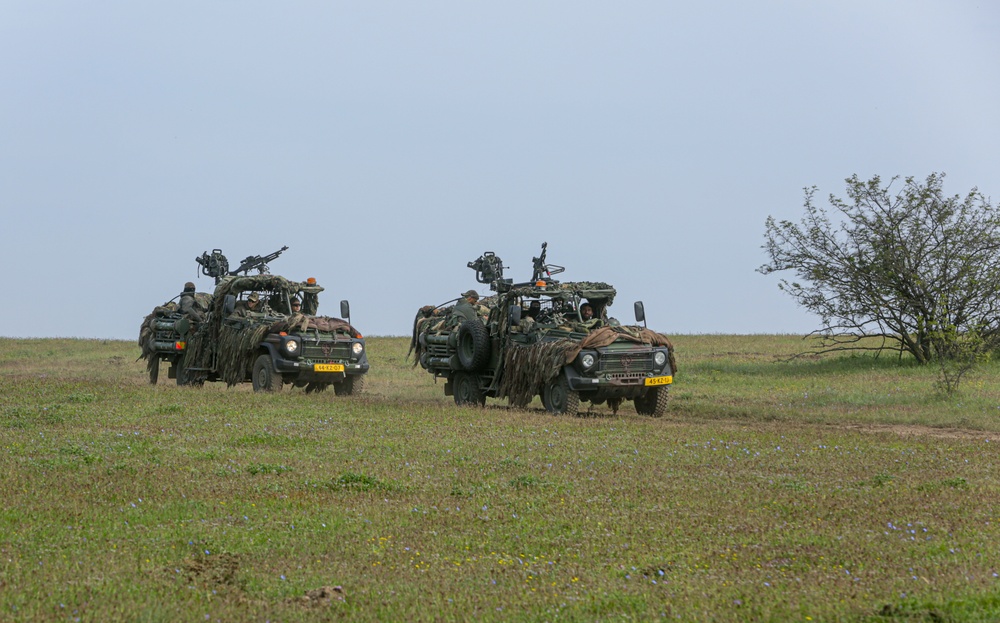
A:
(464, 389)
(557, 397)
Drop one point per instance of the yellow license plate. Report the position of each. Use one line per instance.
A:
(328, 367)
(659, 380)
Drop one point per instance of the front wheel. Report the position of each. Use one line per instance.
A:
(558, 398)
(265, 378)
(654, 402)
(350, 386)
(467, 391)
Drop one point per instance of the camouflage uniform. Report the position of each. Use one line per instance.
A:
(465, 309)
(242, 310)
(188, 306)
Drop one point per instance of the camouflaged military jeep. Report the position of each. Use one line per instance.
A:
(532, 340)
(269, 344)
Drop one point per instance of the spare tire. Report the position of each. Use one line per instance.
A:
(473, 345)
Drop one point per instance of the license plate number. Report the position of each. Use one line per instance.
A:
(328, 367)
(659, 380)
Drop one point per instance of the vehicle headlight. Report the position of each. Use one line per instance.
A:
(291, 348)
(357, 348)
(659, 358)
(587, 360)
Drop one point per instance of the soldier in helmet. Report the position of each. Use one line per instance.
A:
(188, 305)
(466, 306)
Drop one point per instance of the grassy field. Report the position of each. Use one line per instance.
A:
(821, 489)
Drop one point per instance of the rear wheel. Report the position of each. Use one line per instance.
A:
(350, 386)
(467, 391)
(473, 345)
(183, 376)
(558, 398)
(654, 402)
(265, 378)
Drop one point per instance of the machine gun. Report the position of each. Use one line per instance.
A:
(214, 265)
(258, 262)
(540, 267)
(489, 269)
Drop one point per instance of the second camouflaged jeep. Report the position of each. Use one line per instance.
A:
(531, 339)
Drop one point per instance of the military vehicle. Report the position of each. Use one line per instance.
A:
(268, 342)
(531, 339)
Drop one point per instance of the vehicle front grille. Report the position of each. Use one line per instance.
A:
(326, 350)
(624, 365)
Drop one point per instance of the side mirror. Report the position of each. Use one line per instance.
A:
(515, 315)
(640, 312)
(345, 310)
(228, 304)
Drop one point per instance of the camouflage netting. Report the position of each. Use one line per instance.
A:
(428, 320)
(584, 289)
(325, 324)
(237, 351)
(528, 368)
(146, 333)
(606, 335)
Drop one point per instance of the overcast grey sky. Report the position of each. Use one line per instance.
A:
(390, 143)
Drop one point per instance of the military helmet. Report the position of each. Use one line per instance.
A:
(189, 286)
(253, 297)
(470, 294)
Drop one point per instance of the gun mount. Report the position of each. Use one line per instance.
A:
(258, 262)
(216, 265)
(489, 269)
(540, 267)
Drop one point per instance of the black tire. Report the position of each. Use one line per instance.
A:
(467, 392)
(183, 376)
(265, 378)
(154, 369)
(558, 398)
(473, 345)
(350, 386)
(654, 402)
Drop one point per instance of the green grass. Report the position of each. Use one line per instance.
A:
(822, 489)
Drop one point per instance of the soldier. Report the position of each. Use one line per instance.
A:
(188, 304)
(465, 308)
(587, 313)
(296, 305)
(243, 308)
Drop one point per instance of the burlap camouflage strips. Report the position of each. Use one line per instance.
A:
(526, 369)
